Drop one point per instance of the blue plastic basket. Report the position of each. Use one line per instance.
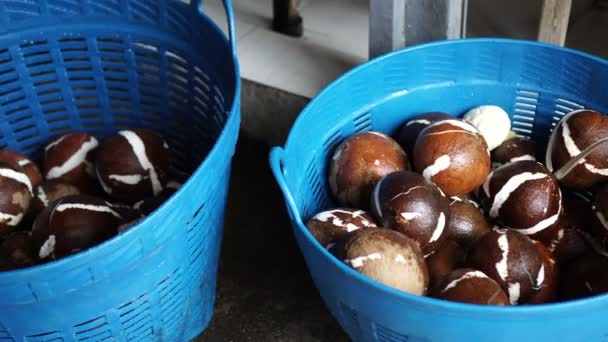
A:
(99, 66)
(536, 83)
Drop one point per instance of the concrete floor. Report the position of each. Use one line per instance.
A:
(264, 290)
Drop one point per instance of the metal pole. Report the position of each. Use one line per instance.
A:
(395, 24)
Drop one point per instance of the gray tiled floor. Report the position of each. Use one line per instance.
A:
(335, 40)
(336, 36)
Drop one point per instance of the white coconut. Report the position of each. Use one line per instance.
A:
(493, 123)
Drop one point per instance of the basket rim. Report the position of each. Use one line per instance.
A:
(513, 313)
(76, 260)
(392, 54)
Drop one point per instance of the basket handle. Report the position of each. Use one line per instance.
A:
(277, 156)
(231, 28)
(230, 18)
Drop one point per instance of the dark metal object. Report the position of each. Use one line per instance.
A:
(286, 18)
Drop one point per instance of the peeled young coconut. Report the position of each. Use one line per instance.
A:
(493, 123)
(467, 285)
(577, 153)
(338, 224)
(389, 257)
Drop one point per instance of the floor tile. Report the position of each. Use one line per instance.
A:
(302, 66)
(343, 24)
(216, 12)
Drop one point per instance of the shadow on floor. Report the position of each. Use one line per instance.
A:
(264, 290)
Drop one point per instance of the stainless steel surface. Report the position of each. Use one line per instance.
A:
(398, 23)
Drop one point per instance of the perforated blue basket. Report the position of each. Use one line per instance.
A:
(99, 66)
(536, 83)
